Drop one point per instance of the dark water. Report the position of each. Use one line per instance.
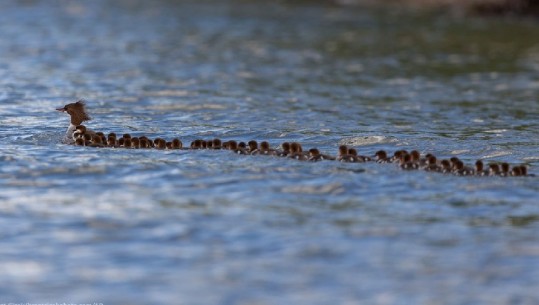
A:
(208, 227)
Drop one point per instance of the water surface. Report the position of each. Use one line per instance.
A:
(208, 227)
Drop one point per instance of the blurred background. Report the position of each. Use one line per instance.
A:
(472, 7)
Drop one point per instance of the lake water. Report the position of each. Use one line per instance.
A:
(85, 225)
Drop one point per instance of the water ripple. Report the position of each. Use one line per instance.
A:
(150, 226)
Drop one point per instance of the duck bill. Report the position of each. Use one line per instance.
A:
(60, 109)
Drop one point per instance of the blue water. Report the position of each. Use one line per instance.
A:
(80, 224)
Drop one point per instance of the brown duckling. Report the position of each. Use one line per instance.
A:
(296, 152)
(381, 157)
(494, 169)
(285, 150)
(233, 146)
(176, 143)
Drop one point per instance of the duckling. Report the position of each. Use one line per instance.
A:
(79, 142)
(416, 158)
(176, 143)
(111, 140)
(315, 155)
(96, 142)
(253, 147)
(157, 143)
(87, 139)
(397, 156)
(285, 150)
(406, 162)
(144, 142)
(216, 144)
(79, 132)
(160, 143)
(524, 171)
(266, 150)
(446, 166)
(424, 162)
(505, 169)
(357, 157)
(233, 146)
(344, 156)
(127, 142)
(494, 169)
(516, 171)
(479, 169)
(462, 170)
(195, 144)
(296, 152)
(135, 142)
(453, 161)
(432, 166)
(381, 157)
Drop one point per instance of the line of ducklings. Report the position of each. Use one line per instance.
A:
(405, 160)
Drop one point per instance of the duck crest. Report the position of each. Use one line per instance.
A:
(77, 111)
